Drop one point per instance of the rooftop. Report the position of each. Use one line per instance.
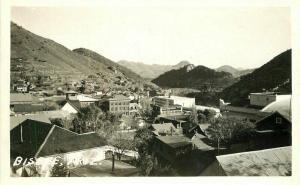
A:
(163, 128)
(281, 105)
(21, 97)
(175, 140)
(269, 162)
(119, 97)
(84, 98)
(16, 120)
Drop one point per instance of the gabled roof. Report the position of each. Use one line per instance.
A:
(17, 120)
(269, 162)
(60, 140)
(200, 144)
(165, 127)
(75, 104)
(51, 140)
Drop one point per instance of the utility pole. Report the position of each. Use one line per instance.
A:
(113, 163)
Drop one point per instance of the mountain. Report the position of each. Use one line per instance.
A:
(150, 71)
(199, 77)
(236, 72)
(272, 76)
(36, 59)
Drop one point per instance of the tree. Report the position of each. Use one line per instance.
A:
(209, 113)
(143, 140)
(145, 110)
(193, 118)
(88, 119)
(121, 142)
(230, 130)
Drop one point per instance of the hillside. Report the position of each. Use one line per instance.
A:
(50, 65)
(273, 76)
(234, 71)
(150, 71)
(200, 77)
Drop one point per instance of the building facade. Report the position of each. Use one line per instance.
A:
(119, 105)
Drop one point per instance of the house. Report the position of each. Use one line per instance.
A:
(44, 142)
(164, 129)
(273, 131)
(265, 98)
(21, 98)
(269, 162)
(71, 95)
(281, 105)
(171, 148)
(250, 113)
(24, 103)
(86, 100)
(71, 106)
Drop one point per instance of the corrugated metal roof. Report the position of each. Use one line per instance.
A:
(282, 105)
(269, 162)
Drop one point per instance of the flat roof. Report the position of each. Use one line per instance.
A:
(175, 140)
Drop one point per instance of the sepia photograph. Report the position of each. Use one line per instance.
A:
(150, 91)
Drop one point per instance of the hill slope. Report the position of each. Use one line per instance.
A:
(34, 58)
(235, 72)
(273, 76)
(150, 71)
(199, 77)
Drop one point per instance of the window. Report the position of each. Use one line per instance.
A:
(278, 120)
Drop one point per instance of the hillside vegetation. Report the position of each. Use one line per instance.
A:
(34, 58)
(272, 76)
(199, 77)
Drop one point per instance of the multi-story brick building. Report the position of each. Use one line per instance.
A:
(119, 104)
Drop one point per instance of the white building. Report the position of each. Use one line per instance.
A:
(265, 98)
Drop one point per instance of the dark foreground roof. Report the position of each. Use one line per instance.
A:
(269, 162)
(60, 140)
(44, 139)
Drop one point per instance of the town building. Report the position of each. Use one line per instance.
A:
(24, 103)
(119, 104)
(165, 129)
(171, 148)
(264, 98)
(185, 102)
(71, 106)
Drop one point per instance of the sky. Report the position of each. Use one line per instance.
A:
(243, 37)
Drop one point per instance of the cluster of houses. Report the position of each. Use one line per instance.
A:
(176, 141)
(34, 136)
(189, 148)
